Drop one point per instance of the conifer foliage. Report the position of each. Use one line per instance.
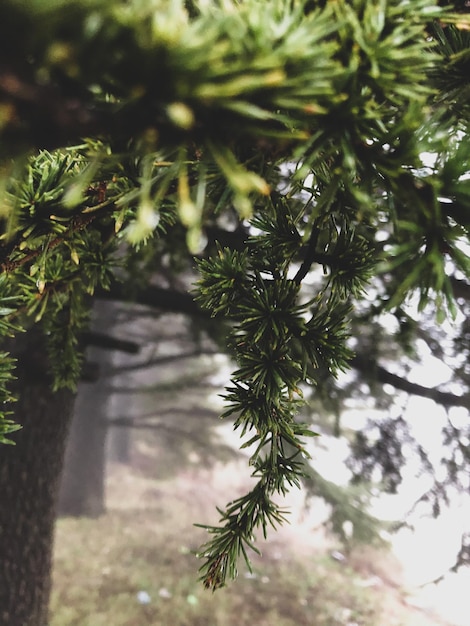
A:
(121, 121)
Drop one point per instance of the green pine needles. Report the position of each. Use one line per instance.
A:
(191, 112)
(279, 338)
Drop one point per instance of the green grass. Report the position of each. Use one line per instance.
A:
(146, 542)
(102, 565)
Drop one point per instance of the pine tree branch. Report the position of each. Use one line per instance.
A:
(176, 301)
(460, 288)
(310, 255)
(77, 223)
(106, 342)
(155, 297)
(163, 360)
(445, 398)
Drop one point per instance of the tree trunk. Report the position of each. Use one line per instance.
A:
(29, 480)
(82, 490)
(82, 486)
(119, 444)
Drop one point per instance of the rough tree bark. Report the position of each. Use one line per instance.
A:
(29, 480)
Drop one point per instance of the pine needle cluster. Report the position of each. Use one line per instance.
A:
(190, 111)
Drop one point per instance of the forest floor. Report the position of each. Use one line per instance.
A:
(136, 565)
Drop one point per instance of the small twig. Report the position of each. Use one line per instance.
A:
(163, 360)
(77, 223)
(107, 342)
(310, 255)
